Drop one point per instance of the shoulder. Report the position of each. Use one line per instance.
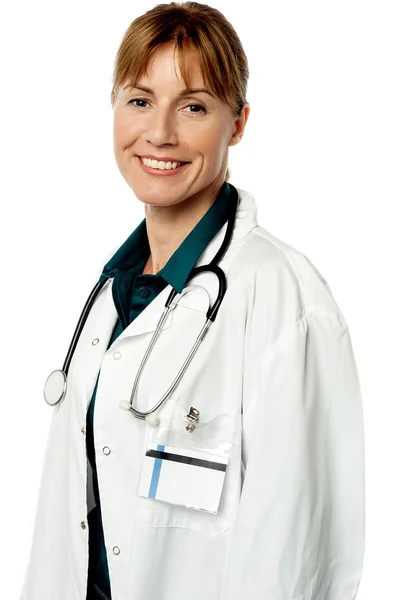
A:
(281, 278)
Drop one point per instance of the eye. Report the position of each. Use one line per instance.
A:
(137, 100)
(196, 106)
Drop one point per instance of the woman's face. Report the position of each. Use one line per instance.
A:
(163, 122)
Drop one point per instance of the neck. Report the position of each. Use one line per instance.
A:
(168, 226)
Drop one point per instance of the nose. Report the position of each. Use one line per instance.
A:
(161, 128)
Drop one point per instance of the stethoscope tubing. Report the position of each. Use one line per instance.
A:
(81, 323)
(210, 318)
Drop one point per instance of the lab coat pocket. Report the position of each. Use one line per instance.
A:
(226, 429)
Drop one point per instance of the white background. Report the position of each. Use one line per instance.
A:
(320, 154)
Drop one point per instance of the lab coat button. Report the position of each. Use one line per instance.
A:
(144, 292)
(115, 550)
(95, 341)
(83, 524)
(106, 450)
(117, 355)
(82, 429)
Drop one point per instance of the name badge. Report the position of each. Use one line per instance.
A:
(186, 469)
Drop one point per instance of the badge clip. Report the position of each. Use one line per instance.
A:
(193, 417)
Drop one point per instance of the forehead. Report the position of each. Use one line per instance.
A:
(163, 68)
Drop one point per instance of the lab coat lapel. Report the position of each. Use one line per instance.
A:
(148, 319)
(94, 339)
(93, 342)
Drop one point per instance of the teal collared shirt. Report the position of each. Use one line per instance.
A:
(132, 292)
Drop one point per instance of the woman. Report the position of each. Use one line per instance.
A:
(260, 494)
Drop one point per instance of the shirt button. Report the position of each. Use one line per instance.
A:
(117, 355)
(144, 292)
(83, 524)
(116, 550)
(95, 341)
(106, 450)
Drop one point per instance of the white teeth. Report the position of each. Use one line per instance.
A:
(160, 164)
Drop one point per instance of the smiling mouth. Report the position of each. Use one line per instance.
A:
(161, 165)
(161, 168)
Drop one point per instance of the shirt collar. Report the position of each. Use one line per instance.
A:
(176, 271)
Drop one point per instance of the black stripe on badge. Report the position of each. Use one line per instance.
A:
(189, 460)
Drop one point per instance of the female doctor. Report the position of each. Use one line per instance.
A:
(243, 476)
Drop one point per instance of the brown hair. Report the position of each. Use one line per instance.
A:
(222, 59)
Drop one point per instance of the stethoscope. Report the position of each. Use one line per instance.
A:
(56, 384)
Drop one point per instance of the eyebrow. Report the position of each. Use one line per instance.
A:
(185, 92)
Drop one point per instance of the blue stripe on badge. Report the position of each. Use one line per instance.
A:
(155, 474)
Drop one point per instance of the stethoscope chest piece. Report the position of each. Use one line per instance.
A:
(55, 387)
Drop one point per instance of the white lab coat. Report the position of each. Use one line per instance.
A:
(278, 371)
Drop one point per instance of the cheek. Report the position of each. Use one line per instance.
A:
(124, 130)
(210, 142)
(213, 139)
(216, 151)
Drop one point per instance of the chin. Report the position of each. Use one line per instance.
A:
(156, 197)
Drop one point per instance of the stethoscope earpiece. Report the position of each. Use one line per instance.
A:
(153, 419)
(124, 405)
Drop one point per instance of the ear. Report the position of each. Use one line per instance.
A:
(239, 125)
